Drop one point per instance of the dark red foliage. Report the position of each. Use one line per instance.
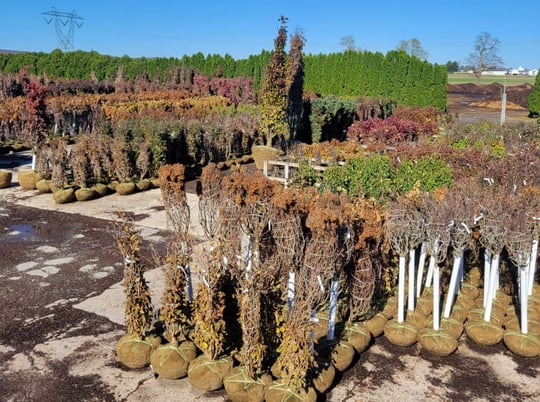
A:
(238, 90)
(390, 131)
(35, 108)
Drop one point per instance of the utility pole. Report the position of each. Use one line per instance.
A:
(503, 103)
(64, 23)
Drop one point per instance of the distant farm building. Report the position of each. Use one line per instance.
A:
(495, 72)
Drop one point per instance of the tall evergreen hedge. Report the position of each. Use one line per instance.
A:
(409, 80)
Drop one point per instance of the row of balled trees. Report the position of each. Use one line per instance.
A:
(482, 248)
(93, 166)
(283, 279)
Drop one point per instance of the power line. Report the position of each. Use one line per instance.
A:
(65, 24)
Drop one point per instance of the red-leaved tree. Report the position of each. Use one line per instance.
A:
(35, 125)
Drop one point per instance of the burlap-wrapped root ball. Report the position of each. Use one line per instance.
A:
(452, 327)
(262, 152)
(514, 324)
(320, 329)
(143, 185)
(134, 352)
(534, 302)
(502, 298)
(390, 308)
(459, 312)
(466, 304)
(496, 316)
(43, 186)
(400, 334)
(155, 182)
(101, 189)
(484, 333)
(5, 178)
(439, 343)
(278, 392)
(112, 185)
(524, 345)
(125, 188)
(27, 180)
(343, 355)
(376, 324)
(172, 361)
(358, 335)
(324, 378)
(416, 319)
(207, 374)
(424, 305)
(475, 277)
(241, 388)
(64, 196)
(469, 291)
(533, 311)
(85, 194)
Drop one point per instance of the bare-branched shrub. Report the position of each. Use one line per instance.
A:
(494, 222)
(80, 162)
(176, 308)
(465, 206)
(211, 326)
(60, 163)
(248, 197)
(288, 235)
(43, 161)
(397, 227)
(173, 194)
(144, 159)
(210, 201)
(521, 229)
(438, 228)
(99, 154)
(138, 306)
(361, 289)
(121, 163)
(296, 358)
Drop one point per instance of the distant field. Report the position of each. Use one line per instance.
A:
(461, 78)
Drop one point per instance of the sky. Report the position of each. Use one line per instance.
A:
(173, 28)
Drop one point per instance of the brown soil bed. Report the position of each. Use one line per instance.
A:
(470, 102)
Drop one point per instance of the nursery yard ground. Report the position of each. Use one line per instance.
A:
(62, 307)
(62, 313)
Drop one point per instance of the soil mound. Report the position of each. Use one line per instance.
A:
(496, 104)
(471, 88)
(516, 95)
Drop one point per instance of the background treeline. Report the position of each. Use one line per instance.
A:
(395, 75)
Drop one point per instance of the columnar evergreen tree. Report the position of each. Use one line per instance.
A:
(274, 90)
(534, 98)
(295, 82)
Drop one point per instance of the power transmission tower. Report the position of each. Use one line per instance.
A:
(65, 24)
